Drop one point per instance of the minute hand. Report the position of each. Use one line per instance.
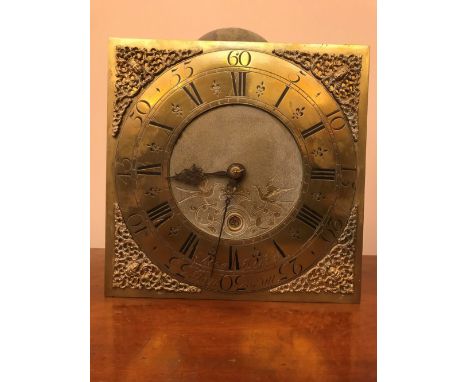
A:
(230, 189)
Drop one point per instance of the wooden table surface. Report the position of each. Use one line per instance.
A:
(180, 340)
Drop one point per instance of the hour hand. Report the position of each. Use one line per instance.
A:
(195, 175)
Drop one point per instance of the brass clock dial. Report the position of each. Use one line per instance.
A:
(271, 186)
(235, 170)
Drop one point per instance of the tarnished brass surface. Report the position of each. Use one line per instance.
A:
(273, 177)
(291, 117)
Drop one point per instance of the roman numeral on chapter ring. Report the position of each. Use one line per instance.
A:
(233, 259)
(193, 94)
(159, 214)
(239, 80)
(283, 94)
(279, 249)
(190, 245)
(323, 174)
(312, 130)
(149, 169)
(309, 217)
(160, 125)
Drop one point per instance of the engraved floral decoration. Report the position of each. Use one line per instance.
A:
(260, 206)
(153, 191)
(137, 67)
(319, 151)
(260, 89)
(177, 109)
(256, 261)
(335, 272)
(153, 147)
(318, 196)
(215, 88)
(339, 73)
(299, 112)
(132, 269)
(294, 233)
(174, 231)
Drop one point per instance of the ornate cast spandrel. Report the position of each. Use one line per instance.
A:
(137, 67)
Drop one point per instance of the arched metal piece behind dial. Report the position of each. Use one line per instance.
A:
(232, 34)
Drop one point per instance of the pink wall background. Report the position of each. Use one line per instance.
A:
(318, 21)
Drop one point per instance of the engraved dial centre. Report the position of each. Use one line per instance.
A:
(249, 145)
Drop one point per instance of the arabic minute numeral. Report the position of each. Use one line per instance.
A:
(332, 230)
(336, 121)
(228, 282)
(239, 58)
(124, 167)
(187, 72)
(136, 223)
(289, 266)
(142, 108)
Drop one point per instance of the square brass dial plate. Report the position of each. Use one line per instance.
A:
(179, 225)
